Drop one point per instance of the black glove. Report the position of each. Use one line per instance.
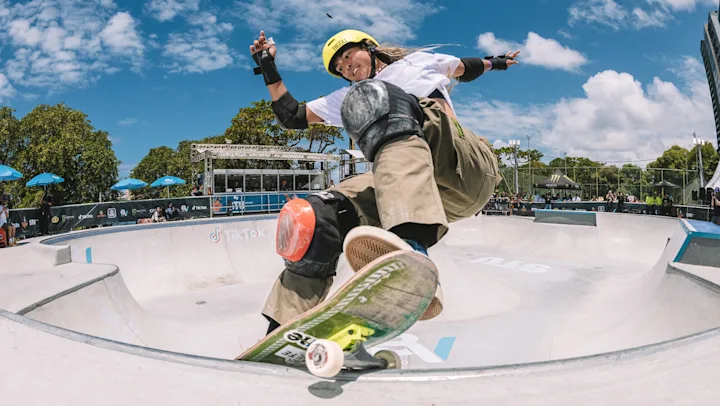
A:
(498, 62)
(266, 66)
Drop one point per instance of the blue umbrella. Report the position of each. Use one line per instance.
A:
(45, 179)
(168, 181)
(129, 183)
(8, 173)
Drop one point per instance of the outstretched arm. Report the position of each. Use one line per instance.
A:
(470, 69)
(289, 112)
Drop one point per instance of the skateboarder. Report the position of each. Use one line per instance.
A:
(428, 170)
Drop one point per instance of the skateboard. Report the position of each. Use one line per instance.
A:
(380, 302)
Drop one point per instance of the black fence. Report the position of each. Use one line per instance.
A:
(503, 206)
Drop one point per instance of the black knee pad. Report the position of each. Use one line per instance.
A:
(334, 217)
(374, 112)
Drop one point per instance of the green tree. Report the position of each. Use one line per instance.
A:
(164, 161)
(257, 125)
(710, 160)
(675, 157)
(61, 140)
(11, 143)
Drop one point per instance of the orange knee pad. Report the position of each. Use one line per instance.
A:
(295, 230)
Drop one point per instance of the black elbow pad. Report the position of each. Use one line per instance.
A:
(474, 67)
(290, 114)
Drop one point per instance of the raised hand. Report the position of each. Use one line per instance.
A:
(511, 58)
(263, 43)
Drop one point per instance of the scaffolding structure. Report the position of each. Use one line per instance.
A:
(209, 152)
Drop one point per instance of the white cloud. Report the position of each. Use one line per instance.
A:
(166, 10)
(387, 21)
(565, 34)
(642, 19)
(654, 13)
(128, 121)
(195, 53)
(200, 49)
(299, 57)
(120, 35)
(618, 119)
(61, 43)
(203, 47)
(536, 50)
(606, 12)
(683, 5)
(6, 89)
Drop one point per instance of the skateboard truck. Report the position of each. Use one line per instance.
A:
(345, 349)
(351, 335)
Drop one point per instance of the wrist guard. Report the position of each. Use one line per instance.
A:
(474, 67)
(498, 62)
(266, 66)
(290, 114)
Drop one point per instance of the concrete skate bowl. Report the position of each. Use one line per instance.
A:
(521, 296)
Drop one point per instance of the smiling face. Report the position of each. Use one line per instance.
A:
(353, 64)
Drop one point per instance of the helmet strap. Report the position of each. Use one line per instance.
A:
(371, 49)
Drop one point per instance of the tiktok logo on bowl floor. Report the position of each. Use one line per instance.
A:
(215, 236)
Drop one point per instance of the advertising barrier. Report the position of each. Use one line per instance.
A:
(66, 218)
(72, 217)
(528, 209)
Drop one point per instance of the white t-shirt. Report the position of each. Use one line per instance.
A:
(3, 218)
(419, 74)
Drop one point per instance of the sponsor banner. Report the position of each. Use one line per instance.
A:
(693, 212)
(26, 222)
(67, 218)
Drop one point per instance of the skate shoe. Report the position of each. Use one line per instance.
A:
(363, 244)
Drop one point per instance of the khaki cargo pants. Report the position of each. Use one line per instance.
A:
(449, 177)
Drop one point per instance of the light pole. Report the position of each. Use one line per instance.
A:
(528, 136)
(699, 144)
(515, 144)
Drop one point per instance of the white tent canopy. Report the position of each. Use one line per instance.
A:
(715, 181)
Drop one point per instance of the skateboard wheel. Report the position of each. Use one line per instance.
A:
(392, 360)
(324, 358)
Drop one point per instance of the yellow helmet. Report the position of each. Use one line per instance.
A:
(337, 42)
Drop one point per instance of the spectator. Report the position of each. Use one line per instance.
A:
(667, 205)
(45, 214)
(715, 204)
(5, 221)
(158, 216)
(171, 213)
(609, 198)
(650, 201)
(196, 191)
(620, 202)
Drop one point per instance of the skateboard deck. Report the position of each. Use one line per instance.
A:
(380, 302)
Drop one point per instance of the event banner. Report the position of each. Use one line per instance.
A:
(26, 222)
(67, 218)
(693, 212)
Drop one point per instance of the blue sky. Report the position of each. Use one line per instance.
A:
(616, 80)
